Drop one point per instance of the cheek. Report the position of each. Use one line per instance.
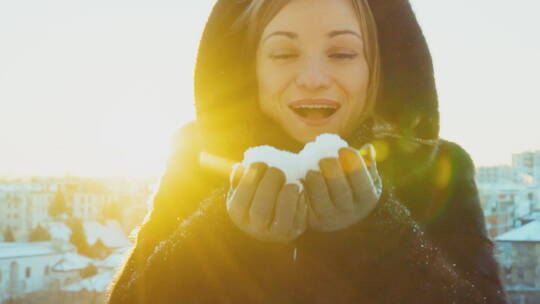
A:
(272, 84)
(263, 86)
(266, 93)
(355, 81)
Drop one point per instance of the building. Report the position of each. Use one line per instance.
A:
(504, 204)
(27, 267)
(534, 196)
(26, 205)
(69, 268)
(518, 252)
(86, 199)
(526, 164)
(22, 210)
(494, 174)
(96, 285)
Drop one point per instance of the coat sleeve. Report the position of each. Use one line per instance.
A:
(205, 260)
(393, 258)
(189, 251)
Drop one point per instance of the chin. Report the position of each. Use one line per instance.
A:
(303, 133)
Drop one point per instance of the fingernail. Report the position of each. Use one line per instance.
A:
(372, 154)
(261, 165)
(349, 159)
(282, 178)
(327, 165)
(251, 172)
(258, 168)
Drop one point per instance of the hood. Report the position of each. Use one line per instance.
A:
(226, 89)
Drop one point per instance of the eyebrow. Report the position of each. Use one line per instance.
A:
(331, 34)
(290, 35)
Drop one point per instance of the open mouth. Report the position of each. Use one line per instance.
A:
(315, 111)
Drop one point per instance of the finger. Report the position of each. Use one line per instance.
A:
(236, 175)
(240, 201)
(286, 209)
(317, 192)
(338, 185)
(312, 218)
(358, 175)
(301, 215)
(367, 152)
(349, 159)
(262, 208)
(371, 162)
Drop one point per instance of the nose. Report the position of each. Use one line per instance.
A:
(312, 76)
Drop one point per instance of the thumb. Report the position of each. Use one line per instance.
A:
(236, 174)
(371, 163)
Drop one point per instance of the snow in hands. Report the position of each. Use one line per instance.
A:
(296, 165)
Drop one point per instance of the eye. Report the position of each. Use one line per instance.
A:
(283, 56)
(341, 56)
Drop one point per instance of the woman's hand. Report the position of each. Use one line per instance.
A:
(344, 192)
(263, 206)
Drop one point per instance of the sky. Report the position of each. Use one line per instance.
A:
(96, 88)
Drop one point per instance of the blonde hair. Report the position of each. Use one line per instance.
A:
(259, 13)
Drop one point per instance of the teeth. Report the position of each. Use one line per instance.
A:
(315, 107)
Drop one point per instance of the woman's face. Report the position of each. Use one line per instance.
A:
(312, 72)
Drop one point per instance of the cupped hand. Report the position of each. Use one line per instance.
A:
(262, 205)
(344, 192)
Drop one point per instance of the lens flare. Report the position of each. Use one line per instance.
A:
(216, 163)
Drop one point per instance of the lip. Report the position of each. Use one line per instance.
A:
(315, 101)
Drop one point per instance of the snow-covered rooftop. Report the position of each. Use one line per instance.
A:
(502, 187)
(526, 233)
(110, 234)
(97, 283)
(13, 250)
(520, 287)
(532, 217)
(58, 230)
(72, 261)
(123, 250)
(112, 261)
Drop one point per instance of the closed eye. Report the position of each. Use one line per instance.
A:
(283, 56)
(339, 56)
(343, 56)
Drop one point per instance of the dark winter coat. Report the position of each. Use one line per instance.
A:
(425, 242)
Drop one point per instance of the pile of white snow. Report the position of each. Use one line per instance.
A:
(97, 283)
(110, 234)
(113, 261)
(296, 166)
(58, 230)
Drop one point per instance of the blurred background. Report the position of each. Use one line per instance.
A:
(91, 92)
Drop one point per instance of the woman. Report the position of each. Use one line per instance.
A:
(280, 73)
